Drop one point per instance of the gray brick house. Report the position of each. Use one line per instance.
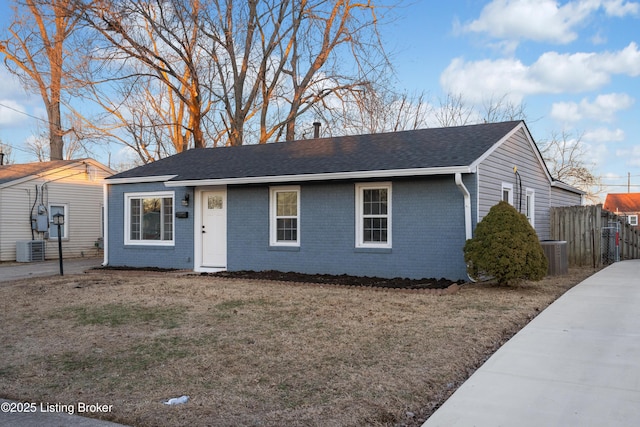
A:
(396, 204)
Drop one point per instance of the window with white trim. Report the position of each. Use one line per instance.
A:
(633, 220)
(149, 218)
(53, 229)
(285, 216)
(373, 215)
(531, 207)
(507, 193)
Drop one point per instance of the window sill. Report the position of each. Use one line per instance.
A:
(373, 250)
(152, 245)
(285, 248)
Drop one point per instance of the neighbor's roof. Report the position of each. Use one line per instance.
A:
(622, 202)
(416, 150)
(10, 173)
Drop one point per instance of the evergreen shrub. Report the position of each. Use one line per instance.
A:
(505, 246)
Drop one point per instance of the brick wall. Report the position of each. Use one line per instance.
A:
(427, 234)
(179, 255)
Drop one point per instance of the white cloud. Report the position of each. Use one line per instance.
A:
(603, 108)
(543, 20)
(11, 113)
(604, 135)
(620, 8)
(596, 153)
(632, 155)
(540, 20)
(551, 73)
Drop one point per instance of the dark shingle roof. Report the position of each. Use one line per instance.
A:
(416, 149)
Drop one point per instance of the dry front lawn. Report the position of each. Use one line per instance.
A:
(248, 352)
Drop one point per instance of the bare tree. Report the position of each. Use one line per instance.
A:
(37, 52)
(565, 155)
(5, 153)
(502, 109)
(152, 39)
(375, 109)
(454, 110)
(277, 60)
(74, 147)
(232, 69)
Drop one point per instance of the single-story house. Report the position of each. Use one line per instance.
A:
(626, 205)
(32, 193)
(398, 204)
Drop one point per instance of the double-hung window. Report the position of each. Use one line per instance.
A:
(284, 216)
(373, 215)
(149, 218)
(633, 220)
(507, 193)
(531, 207)
(53, 229)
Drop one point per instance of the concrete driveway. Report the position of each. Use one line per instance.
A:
(575, 364)
(15, 271)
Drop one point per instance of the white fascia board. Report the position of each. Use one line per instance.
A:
(495, 146)
(505, 138)
(323, 176)
(139, 179)
(565, 186)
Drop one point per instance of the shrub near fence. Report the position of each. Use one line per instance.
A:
(582, 228)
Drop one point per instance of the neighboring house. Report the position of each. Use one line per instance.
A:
(390, 205)
(30, 194)
(626, 205)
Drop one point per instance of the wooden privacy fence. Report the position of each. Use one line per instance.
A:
(594, 237)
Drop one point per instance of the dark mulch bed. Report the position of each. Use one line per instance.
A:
(400, 283)
(127, 268)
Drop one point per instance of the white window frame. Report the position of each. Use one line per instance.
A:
(273, 215)
(127, 217)
(632, 220)
(508, 187)
(360, 243)
(531, 206)
(53, 229)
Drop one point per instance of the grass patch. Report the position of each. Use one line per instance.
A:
(252, 352)
(125, 314)
(135, 359)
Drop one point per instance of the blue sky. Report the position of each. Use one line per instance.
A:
(574, 64)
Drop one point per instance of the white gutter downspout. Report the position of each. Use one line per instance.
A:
(467, 206)
(467, 211)
(105, 238)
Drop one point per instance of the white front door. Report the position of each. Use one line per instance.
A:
(214, 229)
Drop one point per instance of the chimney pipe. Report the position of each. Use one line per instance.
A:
(316, 129)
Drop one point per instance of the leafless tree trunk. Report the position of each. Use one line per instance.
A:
(37, 53)
(153, 39)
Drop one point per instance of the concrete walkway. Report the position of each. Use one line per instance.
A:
(576, 364)
(24, 270)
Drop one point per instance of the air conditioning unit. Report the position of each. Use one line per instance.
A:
(29, 250)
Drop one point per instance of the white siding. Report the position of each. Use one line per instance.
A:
(81, 192)
(497, 168)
